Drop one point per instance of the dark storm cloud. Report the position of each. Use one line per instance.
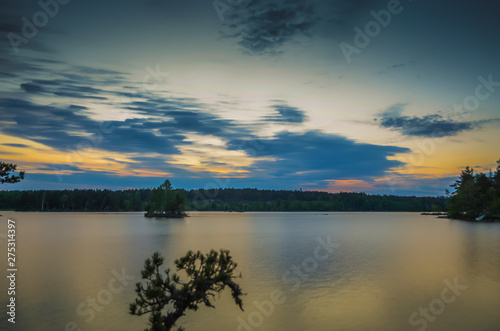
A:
(264, 26)
(287, 114)
(434, 125)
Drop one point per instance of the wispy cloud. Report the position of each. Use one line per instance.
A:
(397, 66)
(435, 125)
(156, 137)
(286, 114)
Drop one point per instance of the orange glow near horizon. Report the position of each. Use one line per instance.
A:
(208, 154)
(348, 185)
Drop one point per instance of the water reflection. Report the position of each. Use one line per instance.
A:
(387, 266)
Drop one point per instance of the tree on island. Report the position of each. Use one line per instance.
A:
(6, 177)
(475, 194)
(207, 274)
(166, 202)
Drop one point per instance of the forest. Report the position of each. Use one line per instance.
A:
(476, 194)
(228, 199)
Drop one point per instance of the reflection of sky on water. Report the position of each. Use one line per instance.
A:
(387, 266)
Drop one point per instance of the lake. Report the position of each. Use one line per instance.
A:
(301, 271)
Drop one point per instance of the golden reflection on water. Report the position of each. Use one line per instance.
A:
(388, 266)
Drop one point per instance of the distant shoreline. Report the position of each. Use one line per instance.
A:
(217, 211)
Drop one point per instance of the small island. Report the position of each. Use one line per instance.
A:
(166, 202)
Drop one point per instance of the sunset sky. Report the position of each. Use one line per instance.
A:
(376, 96)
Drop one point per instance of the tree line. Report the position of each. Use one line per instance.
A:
(475, 194)
(229, 199)
(283, 200)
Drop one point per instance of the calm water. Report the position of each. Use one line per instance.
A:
(383, 270)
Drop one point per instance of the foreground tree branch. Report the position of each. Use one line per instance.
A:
(6, 177)
(208, 274)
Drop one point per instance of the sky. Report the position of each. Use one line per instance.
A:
(383, 97)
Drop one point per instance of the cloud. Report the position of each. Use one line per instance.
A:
(98, 71)
(265, 26)
(60, 167)
(317, 156)
(67, 81)
(46, 82)
(397, 66)
(7, 74)
(155, 132)
(31, 88)
(151, 143)
(287, 114)
(426, 126)
(76, 107)
(11, 66)
(77, 95)
(16, 145)
(11, 27)
(70, 129)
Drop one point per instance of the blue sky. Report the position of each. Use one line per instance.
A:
(378, 96)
